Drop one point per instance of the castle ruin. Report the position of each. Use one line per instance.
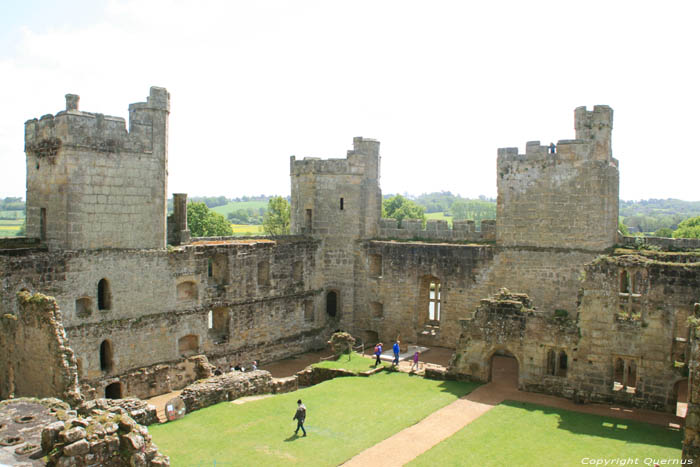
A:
(586, 313)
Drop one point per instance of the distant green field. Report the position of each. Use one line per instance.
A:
(243, 230)
(439, 216)
(9, 228)
(233, 206)
(12, 214)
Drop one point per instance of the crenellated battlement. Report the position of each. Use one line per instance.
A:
(73, 128)
(362, 159)
(88, 176)
(566, 194)
(436, 229)
(593, 141)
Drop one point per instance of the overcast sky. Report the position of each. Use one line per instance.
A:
(442, 84)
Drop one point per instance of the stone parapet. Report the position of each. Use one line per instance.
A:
(666, 244)
(436, 229)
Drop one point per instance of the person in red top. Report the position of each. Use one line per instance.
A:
(378, 353)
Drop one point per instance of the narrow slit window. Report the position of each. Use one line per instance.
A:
(342, 203)
(434, 301)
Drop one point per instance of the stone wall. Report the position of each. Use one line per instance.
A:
(627, 343)
(634, 308)
(691, 438)
(35, 359)
(507, 324)
(88, 177)
(233, 300)
(662, 243)
(568, 199)
(461, 231)
(392, 299)
(226, 387)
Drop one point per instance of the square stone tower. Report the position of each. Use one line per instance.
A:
(93, 184)
(562, 197)
(338, 201)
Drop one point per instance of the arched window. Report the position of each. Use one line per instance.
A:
(551, 362)
(637, 285)
(106, 356)
(624, 282)
(332, 303)
(619, 372)
(563, 363)
(104, 295)
(631, 374)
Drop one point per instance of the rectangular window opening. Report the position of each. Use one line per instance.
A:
(342, 202)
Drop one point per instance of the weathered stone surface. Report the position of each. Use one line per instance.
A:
(140, 411)
(78, 448)
(226, 387)
(72, 435)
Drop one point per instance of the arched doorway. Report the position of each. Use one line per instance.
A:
(504, 369)
(113, 391)
(680, 394)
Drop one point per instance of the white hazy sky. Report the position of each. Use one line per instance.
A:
(442, 84)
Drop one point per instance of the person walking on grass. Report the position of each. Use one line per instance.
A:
(378, 353)
(396, 349)
(300, 416)
(415, 361)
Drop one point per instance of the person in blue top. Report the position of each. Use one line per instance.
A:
(378, 353)
(396, 349)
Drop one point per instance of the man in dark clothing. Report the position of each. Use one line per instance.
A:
(300, 416)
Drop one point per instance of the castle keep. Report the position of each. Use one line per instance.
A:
(586, 313)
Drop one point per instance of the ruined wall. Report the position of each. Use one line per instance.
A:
(338, 201)
(691, 438)
(507, 324)
(467, 273)
(234, 302)
(564, 200)
(88, 177)
(634, 308)
(35, 359)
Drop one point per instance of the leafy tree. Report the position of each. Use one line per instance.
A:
(472, 209)
(623, 229)
(689, 228)
(399, 208)
(341, 342)
(664, 232)
(205, 223)
(276, 220)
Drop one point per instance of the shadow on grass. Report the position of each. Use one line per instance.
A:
(294, 437)
(607, 427)
(458, 388)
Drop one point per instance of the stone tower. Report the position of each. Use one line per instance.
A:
(338, 201)
(563, 199)
(93, 184)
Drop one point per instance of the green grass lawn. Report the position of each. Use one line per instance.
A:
(357, 363)
(344, 417)
(516, 433)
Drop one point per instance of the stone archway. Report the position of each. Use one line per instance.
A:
(504, 369)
